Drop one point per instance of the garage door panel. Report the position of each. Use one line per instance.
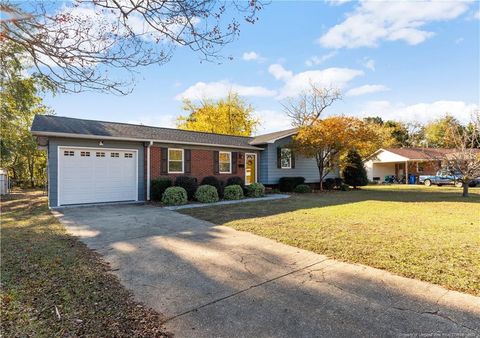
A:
(94, 179)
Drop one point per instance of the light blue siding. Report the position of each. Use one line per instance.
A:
(304, 167)
(53, 145)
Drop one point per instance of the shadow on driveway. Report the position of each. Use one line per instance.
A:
(215, 281)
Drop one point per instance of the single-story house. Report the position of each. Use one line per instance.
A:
(402, 162)
(96, 161)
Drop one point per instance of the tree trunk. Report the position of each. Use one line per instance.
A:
(320, 172)
(465, 188)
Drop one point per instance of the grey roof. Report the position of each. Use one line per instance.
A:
(272, 137)
(50, 125)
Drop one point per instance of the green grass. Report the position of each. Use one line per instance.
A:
(54, 286)
(432, 234)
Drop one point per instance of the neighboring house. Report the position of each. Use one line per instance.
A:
(96, 161)
(402, 162)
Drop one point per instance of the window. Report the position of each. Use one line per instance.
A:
(68, 153)
(85, 153)
(100, 154)
(286, 158)
(225, 162)
(175, 161)
(128, 155)
(420, 167)
(114, 154)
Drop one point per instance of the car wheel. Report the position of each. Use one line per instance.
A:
(459, 184)
(427, 183)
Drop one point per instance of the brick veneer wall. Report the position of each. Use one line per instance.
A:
(201, 164)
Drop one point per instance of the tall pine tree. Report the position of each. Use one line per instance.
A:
(354, 173)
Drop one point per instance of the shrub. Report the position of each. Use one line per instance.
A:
(344, 187)
(233, 192)
(215, 182)
(338, 182)
(158, 187)
(275, 191)
(188, 183)
(235, 180)
(255, 190)
(302, 188)
(354, 172)
(206, 194)
(329, 184)
(174, 196)
(287, 184)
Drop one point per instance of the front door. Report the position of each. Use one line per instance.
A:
(250, 168)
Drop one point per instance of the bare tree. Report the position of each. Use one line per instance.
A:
(310, 104)
(465, 159)
(76, 44)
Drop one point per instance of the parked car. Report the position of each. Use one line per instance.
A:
(443, 177)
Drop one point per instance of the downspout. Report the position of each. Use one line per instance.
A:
(148, 170)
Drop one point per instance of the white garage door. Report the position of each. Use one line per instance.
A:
(87, 175)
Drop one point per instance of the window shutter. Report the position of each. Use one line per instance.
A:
(234, 162)
(293, 158)
(188, 160)
(164, 161)
(216, 166)
(279, 157)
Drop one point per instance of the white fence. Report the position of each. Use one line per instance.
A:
(4, 184)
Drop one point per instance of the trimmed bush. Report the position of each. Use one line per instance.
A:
(233, 192)
(275, 191)
(174, 196)
(189, 184)
(255, 190)
(329, 184)
(287, 184)
(215, 182)
(206, 194)
(338, 182)
(302, 188)
(235, 180)
(158, 187)
(344, 187)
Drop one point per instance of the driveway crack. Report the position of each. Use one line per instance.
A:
(244, 290)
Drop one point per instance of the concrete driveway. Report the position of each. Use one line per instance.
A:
(213, 281)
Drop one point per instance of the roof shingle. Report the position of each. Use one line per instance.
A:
(44, 124)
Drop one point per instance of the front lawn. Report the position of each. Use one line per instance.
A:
(432, 234)
(54, 286)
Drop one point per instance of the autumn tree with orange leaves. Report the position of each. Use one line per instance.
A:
(329, 140)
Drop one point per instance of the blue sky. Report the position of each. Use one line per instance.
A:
(409, 61)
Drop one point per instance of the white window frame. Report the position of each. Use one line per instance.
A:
(230, 162)
(168, 161)
(290, 159)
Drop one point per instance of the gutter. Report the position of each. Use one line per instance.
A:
(148, 170)
(113, 138)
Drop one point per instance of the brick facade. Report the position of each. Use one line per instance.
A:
(201, 164)
(429, 168)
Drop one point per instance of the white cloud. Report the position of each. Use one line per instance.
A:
(272, 120)
(296, 83)
(316, 60)
(250, 56)
(374, 21)
(366, 89)
(157, 120)
(219, 89)
(420, 112)
(476, 15)
(338, 2)
(370, 64)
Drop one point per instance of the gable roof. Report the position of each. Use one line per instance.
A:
(272, 137)
(421, 153)
(50, 125)
(417, 153)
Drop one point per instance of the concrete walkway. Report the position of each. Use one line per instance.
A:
(213, 281)
(269, 197)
